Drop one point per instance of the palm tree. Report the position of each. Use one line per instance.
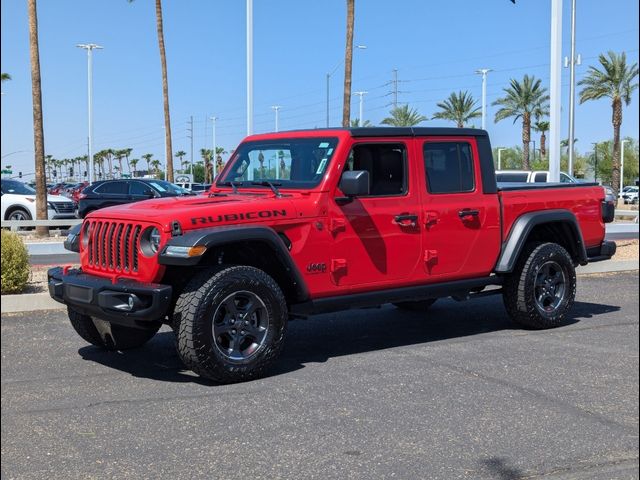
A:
(134, 162)
(38, 129)
(179, 156)
(119, 155)
(207, 156)
(459, 107)
(356, 123)
(614, 81)
(147, 158)
(127, 153)
(48, 162)
(219, 164)
(155, 163)
(404, 116)
(348, 61)
(5, 77)
(542, 127)
(522, 101)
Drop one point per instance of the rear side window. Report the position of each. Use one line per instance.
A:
(541, 178)
(449, 167)
(512, 177)
(139, 188)
(118, 188)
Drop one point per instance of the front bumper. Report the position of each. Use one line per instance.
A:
(122, 302)
(604, 252)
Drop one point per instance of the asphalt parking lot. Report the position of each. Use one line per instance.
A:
(458, 393)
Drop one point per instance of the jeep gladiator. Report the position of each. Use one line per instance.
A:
(305, 222)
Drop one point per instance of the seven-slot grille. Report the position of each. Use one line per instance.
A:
(113, 245)
(63, 207)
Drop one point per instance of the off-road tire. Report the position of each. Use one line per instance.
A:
(519, 286)
(122, 338)
(416, 306)
(196, 308)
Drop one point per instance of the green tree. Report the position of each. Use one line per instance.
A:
(523, 100)
(614, 80)
(207, 156)
(459, 108)
(403, 116)
(542, 127)
(348, 63)
(5, 77)
(155, 164)
(179, 155)
(355, 123)
(147, 158)
(134, 162)
(38, 128)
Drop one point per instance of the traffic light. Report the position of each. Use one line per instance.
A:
(71, 171)
(55, 174)
(85, 173)
(19, 174)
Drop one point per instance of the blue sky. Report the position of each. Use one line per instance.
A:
(435, 45)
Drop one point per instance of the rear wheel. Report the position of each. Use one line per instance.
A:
(542, 288)
(107, 335)
(19, 214)
(416, 306)
(231, 323)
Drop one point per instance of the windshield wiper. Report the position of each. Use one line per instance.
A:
(231, 184)
(272, 185)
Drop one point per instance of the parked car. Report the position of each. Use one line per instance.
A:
(527, 176)
(19, 203)
(194, 187)
(630, 196)
(358, 218)
(108, 193)
(75, 190)
(58, 188)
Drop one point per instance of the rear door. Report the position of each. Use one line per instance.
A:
(461, 237)
(376, 238)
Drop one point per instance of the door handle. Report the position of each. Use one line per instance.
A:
(406, 219)
(467, 212)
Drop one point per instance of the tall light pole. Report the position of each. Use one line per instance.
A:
(90, 47)
(622, 142)
(571, 62)
(555, 90)
(361, 94)
(330, 74)
(215, 154)
(483, 72)
(500, 150)
(249, 67)
(276, 109)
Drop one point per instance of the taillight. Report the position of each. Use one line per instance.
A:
(81, 196)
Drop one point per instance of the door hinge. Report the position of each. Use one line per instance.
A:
(430, 256)
(337, 225)
(431, 218)
(338, 264)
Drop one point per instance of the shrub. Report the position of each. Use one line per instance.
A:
(15, 263)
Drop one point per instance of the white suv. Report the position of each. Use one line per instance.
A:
(527, 176)
(19, 203)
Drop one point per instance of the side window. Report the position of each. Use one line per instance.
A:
(117, 188)
(564, 178)
(541, 177)
(386, 164)
(139, 188)
(449, 167)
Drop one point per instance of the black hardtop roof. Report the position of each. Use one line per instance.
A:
(400, 131)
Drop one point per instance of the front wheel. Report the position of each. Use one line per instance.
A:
(542, 288)
(231, 323)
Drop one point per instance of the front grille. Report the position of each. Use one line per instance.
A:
(113, 246)
(63, 207)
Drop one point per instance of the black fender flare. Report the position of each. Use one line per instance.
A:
(226, 235)
(522, 227)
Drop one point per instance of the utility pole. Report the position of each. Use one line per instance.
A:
(483, 72)
(361, 94)
(249, 67)
(276, 109)
(90, 47)
(555, 90)
(571, 62)
(395, 88)
(215, 155)
(190, 136)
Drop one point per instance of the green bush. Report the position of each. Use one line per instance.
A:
(15, 263)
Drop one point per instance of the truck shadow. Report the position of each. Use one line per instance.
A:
(346, 333)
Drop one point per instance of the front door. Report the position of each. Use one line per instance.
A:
(377, 236)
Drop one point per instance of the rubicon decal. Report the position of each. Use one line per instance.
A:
(234, 217)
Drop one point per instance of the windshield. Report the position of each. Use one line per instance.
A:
(290, 163)
(17, 188)
(162, 187)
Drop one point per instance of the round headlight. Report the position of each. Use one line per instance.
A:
(150, 241)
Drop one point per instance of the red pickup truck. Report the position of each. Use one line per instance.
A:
(314, 221)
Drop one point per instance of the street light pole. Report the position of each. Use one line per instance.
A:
(555, 90)
(89, 47)
(215, 154)
(276, 109)
(500, 150)
(483, 72)
(249, 67)
(571, 62)
(361, 94)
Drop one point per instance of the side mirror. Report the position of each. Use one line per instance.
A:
(355, 183)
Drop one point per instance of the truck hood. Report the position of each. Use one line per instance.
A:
(202, 211)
